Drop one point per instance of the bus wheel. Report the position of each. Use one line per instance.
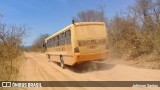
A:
(48, 56)
(62, 65)
(62, 61)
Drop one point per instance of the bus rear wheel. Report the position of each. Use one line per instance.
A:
(62, 65)
(48, 56)
(62, 62)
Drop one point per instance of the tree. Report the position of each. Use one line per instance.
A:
(156, 11)
(132, 31)
(91, 15)
(11, 38)
(38, 43)
(10, 43)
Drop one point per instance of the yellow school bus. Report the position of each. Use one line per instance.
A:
(78, 42)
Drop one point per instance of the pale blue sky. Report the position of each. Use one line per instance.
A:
(48, 16)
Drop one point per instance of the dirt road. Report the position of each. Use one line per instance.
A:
(37, 67)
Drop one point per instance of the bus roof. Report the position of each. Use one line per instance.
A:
(85, 23)
(69, 26)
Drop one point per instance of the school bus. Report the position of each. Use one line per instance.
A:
(78, 42)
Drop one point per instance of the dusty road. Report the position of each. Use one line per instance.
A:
(37, 67)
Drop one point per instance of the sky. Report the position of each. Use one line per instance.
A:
(49, 16)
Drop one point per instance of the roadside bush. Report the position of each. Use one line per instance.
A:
(137, 33)
(10, 48)
(38, 44)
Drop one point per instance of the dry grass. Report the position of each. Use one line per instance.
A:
(38, 44)
(8, 71)
(151, 61)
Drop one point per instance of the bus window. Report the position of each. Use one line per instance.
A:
(60, 39)
(48, 44)
(56, 41)
(63, 38)
(68, 37)
(53, 42)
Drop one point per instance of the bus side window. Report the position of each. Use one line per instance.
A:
(68, 37)
(63, 38)
(53, 42)
(48, 44)
(58, 40)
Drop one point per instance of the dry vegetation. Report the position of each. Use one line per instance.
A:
(10, 50)
(37, 46)
(138, 31)
(135, 34)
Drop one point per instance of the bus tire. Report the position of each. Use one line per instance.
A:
(62, 62)
(48, 56)
(62, 65)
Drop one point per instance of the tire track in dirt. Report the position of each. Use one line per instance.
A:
(38, 68)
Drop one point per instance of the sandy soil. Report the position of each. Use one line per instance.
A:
(37, 67)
